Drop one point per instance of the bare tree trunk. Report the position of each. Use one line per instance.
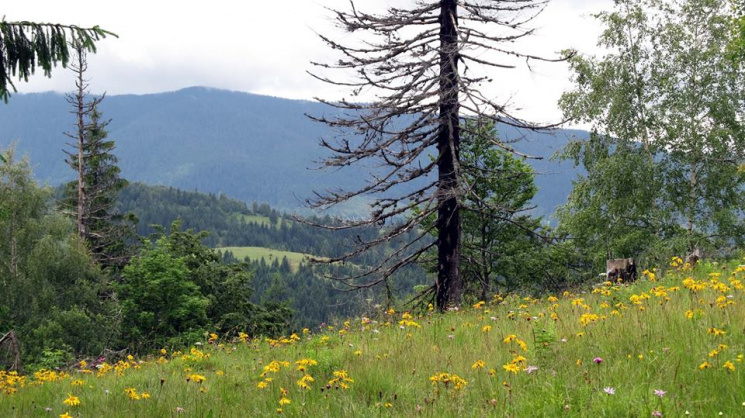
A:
(485, 267)
(13, 265)
(449, 282)
(14, 348)
(692, 200)
(81, 141)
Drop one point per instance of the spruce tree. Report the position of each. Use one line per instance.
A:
(92, 197)
(24, 46)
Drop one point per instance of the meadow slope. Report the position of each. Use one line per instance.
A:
(664, 346)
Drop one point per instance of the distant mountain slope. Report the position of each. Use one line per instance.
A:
(250, 147)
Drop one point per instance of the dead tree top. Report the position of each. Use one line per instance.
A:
(393, 64)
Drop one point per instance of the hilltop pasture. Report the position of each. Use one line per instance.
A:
(268, 254)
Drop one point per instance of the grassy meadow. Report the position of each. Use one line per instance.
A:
(268, 254)
(262, 220)
(664, 346)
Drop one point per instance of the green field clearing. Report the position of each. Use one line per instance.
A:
(268, 254)
(260, 219)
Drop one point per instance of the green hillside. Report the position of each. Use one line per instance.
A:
(263, 220)
(666, 346)
(269, 255)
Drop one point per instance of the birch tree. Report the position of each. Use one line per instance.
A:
(663, 158)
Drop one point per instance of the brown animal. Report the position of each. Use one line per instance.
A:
(693, 257)
(621, 268)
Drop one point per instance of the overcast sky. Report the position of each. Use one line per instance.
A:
(265, 47)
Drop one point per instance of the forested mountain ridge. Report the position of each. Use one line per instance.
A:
(232, 223)
(246, 146)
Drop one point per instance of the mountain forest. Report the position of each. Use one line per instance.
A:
(420, 248)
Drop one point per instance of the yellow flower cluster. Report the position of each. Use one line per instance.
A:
(303, 364)
(195, 355)
(133, 395)
(274, 366)
(196, 378)
(341, 379)
(10, 382)
(513, 338)
(450, 381)
(408, 321)
(694, 285)
(281, 341)
(42, 376)
(588, 318)
(305, 381)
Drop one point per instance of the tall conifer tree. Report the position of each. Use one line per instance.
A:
(92, 197)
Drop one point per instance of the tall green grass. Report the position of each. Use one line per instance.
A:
(671, 347)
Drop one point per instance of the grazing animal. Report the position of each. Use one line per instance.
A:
(621, 268)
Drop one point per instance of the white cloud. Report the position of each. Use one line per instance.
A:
(265, 46)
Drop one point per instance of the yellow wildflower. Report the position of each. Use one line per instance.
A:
(588, 318)
(305, 381)
(132, 393)
(341, 379)
(71, 400)
(716, 332)
(196, 378)
(447, 378)
(519, 359)
(511, 368)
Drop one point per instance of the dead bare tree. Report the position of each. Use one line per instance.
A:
(420, 65)
(82, 110)
(91, 198)
(10, 352)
